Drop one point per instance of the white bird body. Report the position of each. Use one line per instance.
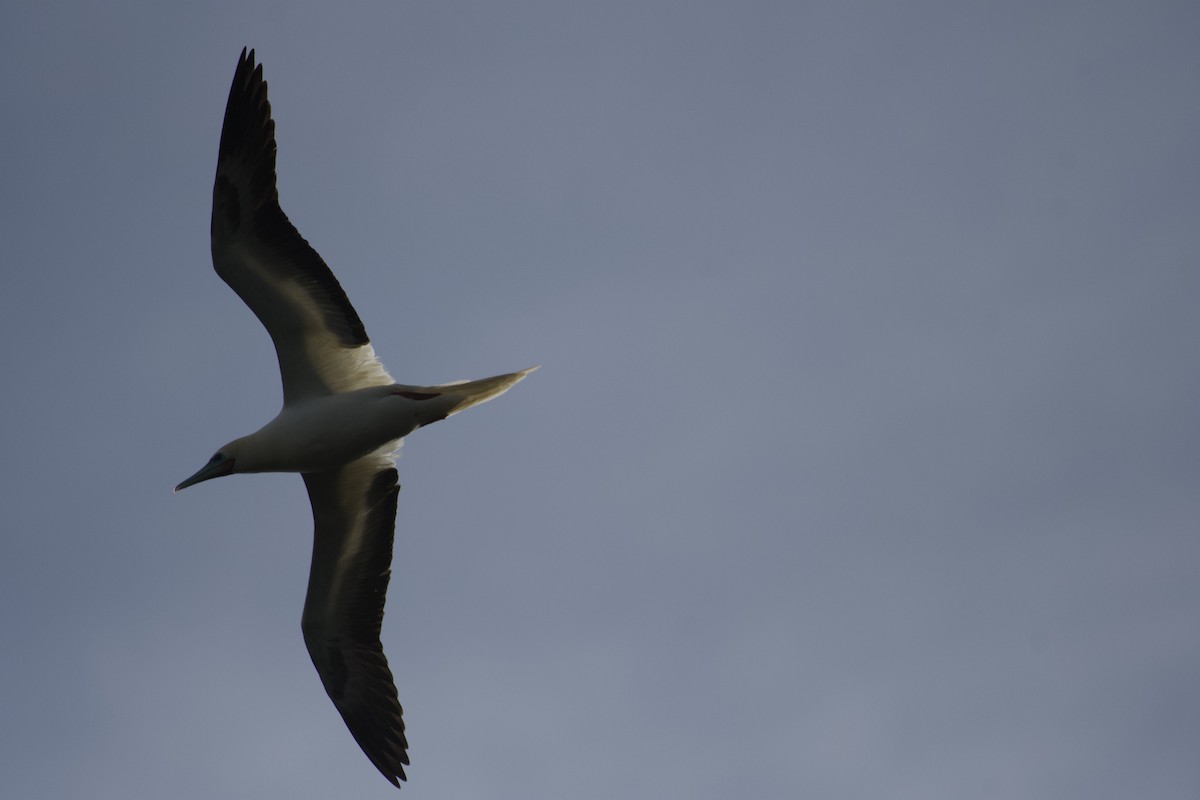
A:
(342, 420)
(326, 432)
(322, 433)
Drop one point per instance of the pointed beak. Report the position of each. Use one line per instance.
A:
(217, 467)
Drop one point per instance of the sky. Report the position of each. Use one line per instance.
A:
(864, 457)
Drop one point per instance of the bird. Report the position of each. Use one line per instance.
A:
(341, 424)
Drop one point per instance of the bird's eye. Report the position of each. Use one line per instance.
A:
(216, 457)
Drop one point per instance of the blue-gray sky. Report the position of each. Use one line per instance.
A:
(863, 462)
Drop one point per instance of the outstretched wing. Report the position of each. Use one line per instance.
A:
(321, 343)
(354, 510)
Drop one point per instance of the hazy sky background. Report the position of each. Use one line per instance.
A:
(863, 462)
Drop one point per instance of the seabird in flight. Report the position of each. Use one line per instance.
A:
(342, 421)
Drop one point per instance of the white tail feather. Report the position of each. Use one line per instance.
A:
(472, 393)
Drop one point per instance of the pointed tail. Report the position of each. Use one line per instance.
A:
(472, 393)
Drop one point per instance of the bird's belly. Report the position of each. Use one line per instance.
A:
(331, 432)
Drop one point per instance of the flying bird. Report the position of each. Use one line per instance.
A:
(342, 420)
